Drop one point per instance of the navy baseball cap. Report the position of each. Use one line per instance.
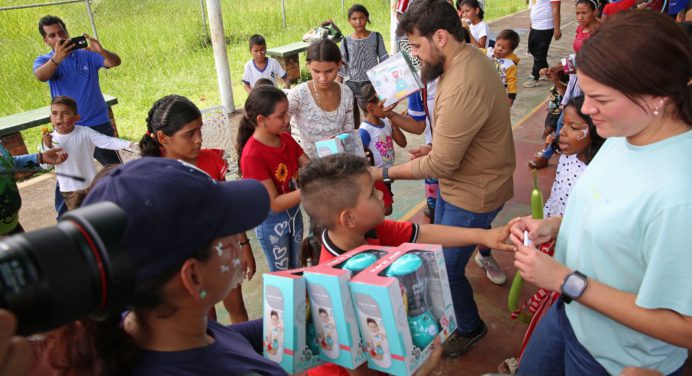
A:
(174, 210)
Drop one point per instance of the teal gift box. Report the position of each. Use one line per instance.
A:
(403, 303)
(333, 315)
(289, 337)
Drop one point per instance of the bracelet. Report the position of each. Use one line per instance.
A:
(245, 242)
(53, 60)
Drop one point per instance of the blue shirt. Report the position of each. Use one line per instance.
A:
(77, 77)
(234, 352)
(627, 225)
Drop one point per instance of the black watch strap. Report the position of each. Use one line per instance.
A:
(568, 296)
(385, 175)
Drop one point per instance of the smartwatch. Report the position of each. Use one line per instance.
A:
(385, 175)
(573, 287)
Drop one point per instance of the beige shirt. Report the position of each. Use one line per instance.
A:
(472, 146)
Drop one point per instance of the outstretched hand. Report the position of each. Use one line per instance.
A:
(94, 45)
(420, 151)
(540, 230)
(54, 156)
(497, 238)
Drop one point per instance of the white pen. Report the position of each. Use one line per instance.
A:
(527, 241)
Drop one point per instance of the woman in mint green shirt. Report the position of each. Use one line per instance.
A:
(624, 246)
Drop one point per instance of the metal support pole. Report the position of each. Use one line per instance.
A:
(91, 19)
(218, 43)
(343, 7)
(283, 11)
(204, 19)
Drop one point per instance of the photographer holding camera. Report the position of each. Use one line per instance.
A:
(71, 69)
(182, 266)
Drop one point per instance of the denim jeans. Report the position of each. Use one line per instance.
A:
(280, 236)
(550, 149)
(554, 349)
(457, 258)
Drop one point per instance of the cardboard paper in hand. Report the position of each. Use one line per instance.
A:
(395, 79)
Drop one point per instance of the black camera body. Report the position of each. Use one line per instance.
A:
(79, 42)
(56, 275)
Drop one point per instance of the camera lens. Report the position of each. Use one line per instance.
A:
(56, 275)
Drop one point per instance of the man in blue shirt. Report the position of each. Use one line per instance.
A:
(74, 73)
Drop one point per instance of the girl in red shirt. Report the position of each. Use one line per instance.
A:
(268, 153)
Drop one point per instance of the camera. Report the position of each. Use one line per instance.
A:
(59, 274)
(79, 42)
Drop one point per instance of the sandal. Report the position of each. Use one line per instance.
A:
(508, 366)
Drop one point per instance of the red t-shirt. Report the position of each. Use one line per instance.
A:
(388, 233)
(580, 38)
(280, 164)
(211, 161)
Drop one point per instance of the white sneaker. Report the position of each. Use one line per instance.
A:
(492, 269)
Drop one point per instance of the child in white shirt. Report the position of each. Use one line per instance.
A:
(79, 142)
(261, 66)
(471, 14)
(377, 133)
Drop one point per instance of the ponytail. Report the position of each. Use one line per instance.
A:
(261, 101)
(168, 115)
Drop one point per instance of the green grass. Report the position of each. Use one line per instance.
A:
(164, 49)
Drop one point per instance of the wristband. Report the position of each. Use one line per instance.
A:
(54, 62)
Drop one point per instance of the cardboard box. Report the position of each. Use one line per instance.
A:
(289, 336)
(347, 142)
(400, 316)
(394, 79)
(333, 314)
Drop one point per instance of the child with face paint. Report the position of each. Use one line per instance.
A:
(578, 144)
(174, 130)
(183, 240)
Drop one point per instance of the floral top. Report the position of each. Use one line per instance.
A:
(311, 124)
(569, 169)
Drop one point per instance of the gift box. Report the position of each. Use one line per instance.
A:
(330, 301)
(347, 142)
(403, 303)
(395, 78)
(289, 336)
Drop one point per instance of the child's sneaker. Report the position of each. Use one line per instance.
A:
(492, 269)
(530, 83)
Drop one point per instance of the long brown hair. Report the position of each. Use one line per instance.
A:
(658, 64)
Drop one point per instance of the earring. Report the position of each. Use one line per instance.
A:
(202, 294)
(656, 112)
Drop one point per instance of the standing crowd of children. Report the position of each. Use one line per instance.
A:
(275, 146)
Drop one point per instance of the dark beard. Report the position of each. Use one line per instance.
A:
(430, 72)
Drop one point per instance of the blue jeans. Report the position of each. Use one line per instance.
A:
(280, 236)
(457, 258)
(550, 150)
(554, 349)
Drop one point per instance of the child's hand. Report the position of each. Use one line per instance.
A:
(47, 138)
(544, 72)
(495, 238)
(420, 151)
(389, 110)
(433, 361)
(248, 262)
(549, 139)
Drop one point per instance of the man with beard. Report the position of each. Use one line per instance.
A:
(472, 152)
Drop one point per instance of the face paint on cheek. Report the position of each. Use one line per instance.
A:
(584, 133)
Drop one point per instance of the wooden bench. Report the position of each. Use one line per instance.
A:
(11, 125)
(288, 57)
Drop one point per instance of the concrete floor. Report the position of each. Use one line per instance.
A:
(504, 335)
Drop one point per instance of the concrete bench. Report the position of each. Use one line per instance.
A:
(11, 125)
(288, 57)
